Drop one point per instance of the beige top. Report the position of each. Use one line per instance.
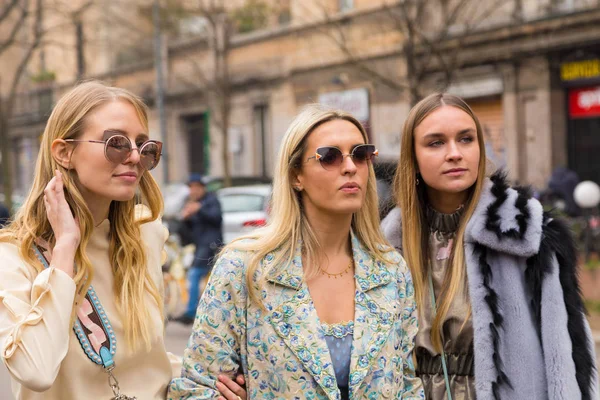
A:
(457, 327)
(37, 342)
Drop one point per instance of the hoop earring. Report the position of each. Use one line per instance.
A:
(418, 181)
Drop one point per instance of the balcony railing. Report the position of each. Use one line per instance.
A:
(33, 106)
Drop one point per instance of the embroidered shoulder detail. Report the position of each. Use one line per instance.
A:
(338, 330)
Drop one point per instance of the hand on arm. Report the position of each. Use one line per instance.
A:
(214, 347)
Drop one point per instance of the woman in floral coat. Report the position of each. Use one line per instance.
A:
(314, 305)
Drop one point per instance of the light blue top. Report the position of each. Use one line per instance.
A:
(339, 341)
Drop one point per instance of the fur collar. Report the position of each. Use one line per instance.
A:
(391, 226)
(506, 220)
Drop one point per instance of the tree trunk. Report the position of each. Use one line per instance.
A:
(79, 48)
(6, 108)
(411, 76)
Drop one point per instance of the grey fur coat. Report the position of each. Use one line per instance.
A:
(531, 338)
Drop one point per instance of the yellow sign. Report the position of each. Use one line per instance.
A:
(580, 70)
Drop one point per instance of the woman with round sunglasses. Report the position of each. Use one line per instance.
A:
(81, 309)
(500, 312)
(315, 305)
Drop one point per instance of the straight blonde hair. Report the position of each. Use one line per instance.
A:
(412, 201)
(132, 280)
(287, 224)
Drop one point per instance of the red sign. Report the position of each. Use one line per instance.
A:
(584, 102)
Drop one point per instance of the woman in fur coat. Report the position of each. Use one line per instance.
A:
(505, 319)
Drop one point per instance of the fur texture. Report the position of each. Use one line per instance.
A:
(509, 222)
(506, 220)
(558, 238)
(530, 332)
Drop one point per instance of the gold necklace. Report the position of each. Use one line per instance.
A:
(339, 273)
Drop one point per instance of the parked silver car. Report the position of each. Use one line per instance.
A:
(244, 208)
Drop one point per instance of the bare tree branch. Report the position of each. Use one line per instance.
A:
(83, 8)
(339, 37)
(17, 25)
(37, 38)
(425, 41)
(217, 81)
(7, 9)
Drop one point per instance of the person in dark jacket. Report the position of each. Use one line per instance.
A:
(202, 219)
(4, 215)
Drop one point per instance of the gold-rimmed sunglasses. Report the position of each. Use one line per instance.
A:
(118, 148)
(332, 157)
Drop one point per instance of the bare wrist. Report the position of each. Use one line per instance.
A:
(63, 257)
(67, 270)
(67, 244)
(65, 251)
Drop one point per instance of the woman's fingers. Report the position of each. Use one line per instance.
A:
(240, 379)
(50, 186)
(230, 389)
(225, 392)
(58, 187)
(49, 193)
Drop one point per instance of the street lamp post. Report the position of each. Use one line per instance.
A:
(587, 196)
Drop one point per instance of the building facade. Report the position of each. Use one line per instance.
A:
(531, 72)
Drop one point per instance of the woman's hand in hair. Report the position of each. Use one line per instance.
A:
(64, 225)
(232, 390)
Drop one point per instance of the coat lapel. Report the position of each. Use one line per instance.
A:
(295, 320)
(373, 321)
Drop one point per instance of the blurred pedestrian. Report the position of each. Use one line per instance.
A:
(81, 225)
(315, 305)
(202, 220)
(4, 215)
(500, 311)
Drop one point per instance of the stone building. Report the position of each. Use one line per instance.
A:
(530, 70)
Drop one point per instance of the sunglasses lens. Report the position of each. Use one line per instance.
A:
(118, 148)
(150, 155)
(363, 153)
(330, 156)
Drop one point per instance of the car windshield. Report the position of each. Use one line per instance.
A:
(241, 202)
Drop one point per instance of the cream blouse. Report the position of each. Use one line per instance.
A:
(37, 342)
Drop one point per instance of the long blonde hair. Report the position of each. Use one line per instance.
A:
(411, 200)
(288, 224)
(132, 280)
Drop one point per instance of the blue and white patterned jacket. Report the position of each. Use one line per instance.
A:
(283, 353)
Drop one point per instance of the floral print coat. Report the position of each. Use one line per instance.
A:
(281, 350)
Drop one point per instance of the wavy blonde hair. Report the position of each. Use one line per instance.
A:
(132, 280)
(288, 224)
(412, 201)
